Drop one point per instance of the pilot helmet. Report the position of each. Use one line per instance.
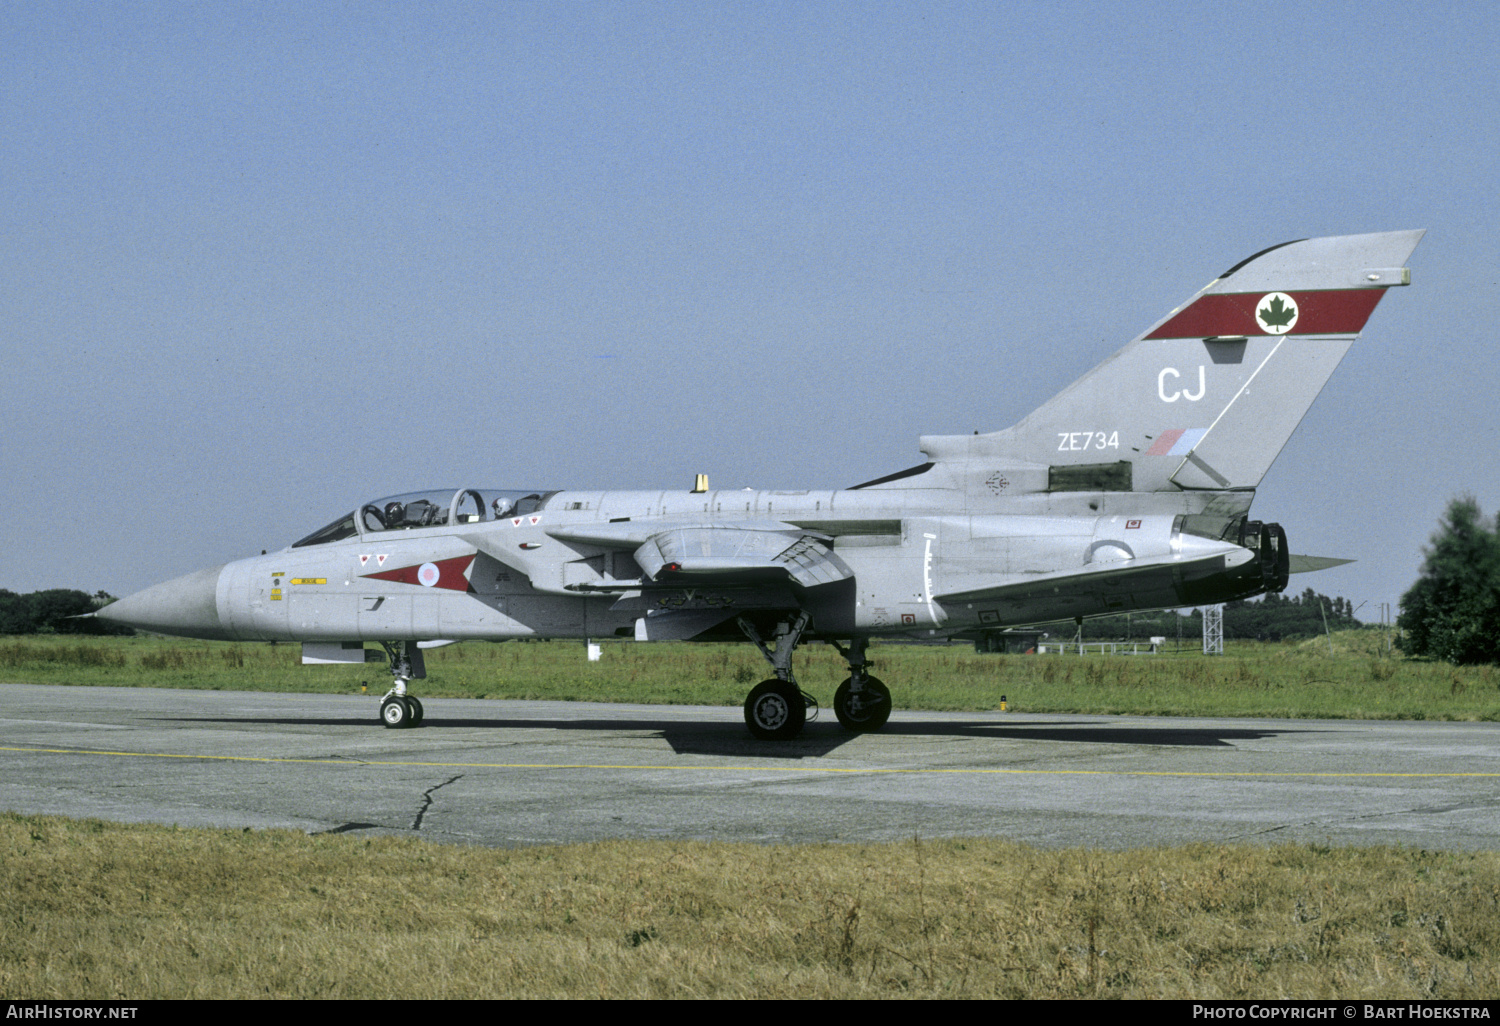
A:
(502, 505)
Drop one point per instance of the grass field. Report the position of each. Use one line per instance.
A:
(95, 910)
(1293, 679)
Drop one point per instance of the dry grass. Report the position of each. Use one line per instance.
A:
(94, 910)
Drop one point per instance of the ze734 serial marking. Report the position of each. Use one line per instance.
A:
(1074, 441)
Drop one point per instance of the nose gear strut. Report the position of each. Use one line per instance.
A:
(397, 708)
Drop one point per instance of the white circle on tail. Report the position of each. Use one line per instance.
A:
(1276, 313)
(428, 574)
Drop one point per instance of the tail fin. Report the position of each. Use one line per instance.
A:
(1207, 397)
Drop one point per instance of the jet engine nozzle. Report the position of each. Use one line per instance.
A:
(1268, 542)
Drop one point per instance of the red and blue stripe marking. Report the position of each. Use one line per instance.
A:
(1176, 442)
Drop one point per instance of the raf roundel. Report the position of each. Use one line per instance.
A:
(1276, 313)
(428, 575)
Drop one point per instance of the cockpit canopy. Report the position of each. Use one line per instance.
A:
(435, 508)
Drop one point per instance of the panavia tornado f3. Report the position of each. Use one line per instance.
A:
(1128, 491)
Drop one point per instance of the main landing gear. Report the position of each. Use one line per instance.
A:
(862, 703)
(776, 709)
(397, 708)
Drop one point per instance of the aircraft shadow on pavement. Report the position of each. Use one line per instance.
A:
(707, 738)
(1091, 733)
(729, 738)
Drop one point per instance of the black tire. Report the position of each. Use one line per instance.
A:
(395, 712)
(416, 710)
(869, 713)
(775, 710)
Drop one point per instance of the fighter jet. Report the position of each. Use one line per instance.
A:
(1130, 490)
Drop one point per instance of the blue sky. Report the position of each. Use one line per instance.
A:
(266, 261)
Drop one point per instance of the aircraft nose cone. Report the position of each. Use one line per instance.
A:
(186, 607)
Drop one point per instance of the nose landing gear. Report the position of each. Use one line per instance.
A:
(397, 711)
(397, 708)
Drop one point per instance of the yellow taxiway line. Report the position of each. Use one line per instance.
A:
(850, 770)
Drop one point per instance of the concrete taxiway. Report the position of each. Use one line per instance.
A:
(517, 773)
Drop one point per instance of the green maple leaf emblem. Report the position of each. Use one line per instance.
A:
(1276, 314)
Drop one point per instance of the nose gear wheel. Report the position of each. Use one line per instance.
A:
(396, 712)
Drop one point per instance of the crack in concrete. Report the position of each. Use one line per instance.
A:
(1334, 821)
(427, 800)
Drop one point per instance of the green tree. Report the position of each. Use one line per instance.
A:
(53, 611)
(1453, 611)
(15, 614)
(1276, 617)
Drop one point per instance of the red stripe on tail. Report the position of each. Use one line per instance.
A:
(1330, 312)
